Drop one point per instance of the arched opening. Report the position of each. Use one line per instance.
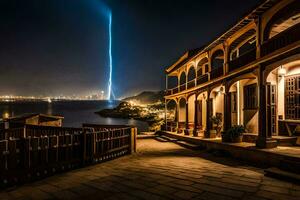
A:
(172, 82)
(202, 71)
(191, 77)
(182, 115)
(172, 115)
(202, 67)
(202, 109)
(182, 81)
(182, 78)
(244, 103)
(216, 100)
(283, 21)
(191, 109)
(191, 73)
(217, 62)
(283, 106)
(242, 45)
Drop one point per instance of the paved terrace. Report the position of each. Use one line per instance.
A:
(160, 170)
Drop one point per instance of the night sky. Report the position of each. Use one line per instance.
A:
(54, 47)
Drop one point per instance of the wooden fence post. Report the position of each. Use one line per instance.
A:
(133, 136)
(84, 143)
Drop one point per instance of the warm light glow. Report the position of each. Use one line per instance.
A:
(5, 115)
(238, 101)
(281, 71)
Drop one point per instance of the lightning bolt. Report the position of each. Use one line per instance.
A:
(109, 94)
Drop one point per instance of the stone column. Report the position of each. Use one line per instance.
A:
(176, 116)
(227, 108)
(264, 140)
(195, 131)
(208, 123)
(186, 131)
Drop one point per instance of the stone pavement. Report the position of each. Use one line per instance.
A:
(160, 170)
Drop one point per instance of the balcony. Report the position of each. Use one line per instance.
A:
(182, 87)
(202, 79)
(217, 72)
(172, 91)
(191, 84)
(242, 60)
(281, 40)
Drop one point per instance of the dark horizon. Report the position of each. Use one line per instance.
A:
(60, 46)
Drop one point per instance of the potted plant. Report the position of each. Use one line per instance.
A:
(234, 134)
(217, 125)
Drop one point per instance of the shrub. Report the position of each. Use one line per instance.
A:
(233, 133)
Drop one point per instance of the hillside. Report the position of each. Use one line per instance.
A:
(147, 97)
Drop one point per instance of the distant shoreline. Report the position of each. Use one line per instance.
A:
(53, 100)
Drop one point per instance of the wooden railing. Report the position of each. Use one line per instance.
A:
(202, 79)
(242, 60)
(281, 40)
(217, 72)
(182, 87)
(191, 84)
(34, 152)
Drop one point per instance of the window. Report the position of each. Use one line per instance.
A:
(250, 97)
(292, 97)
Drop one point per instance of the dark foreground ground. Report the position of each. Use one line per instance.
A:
(160, 170)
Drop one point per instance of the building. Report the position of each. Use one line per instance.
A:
(248, 76)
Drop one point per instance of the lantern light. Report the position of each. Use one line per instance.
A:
(281, 71)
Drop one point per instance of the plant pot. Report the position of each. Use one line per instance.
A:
(238, 139)
(195, 133)
(212, 134)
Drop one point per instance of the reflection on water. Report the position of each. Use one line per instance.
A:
(75, 112)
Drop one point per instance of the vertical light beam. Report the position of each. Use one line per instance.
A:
(110, 58)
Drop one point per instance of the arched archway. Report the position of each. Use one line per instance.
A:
(191, 73)
(172, 82)
(286, 18)
(171, 110)
(202, 66)
(217, 62)
(282, 86)
(191, 108)
(216, 108)
(244, 102)
(182, 81)
(202, 110)
(172, 115)
(182, 115)
(242, 45)
(191, 77)
(202, 70)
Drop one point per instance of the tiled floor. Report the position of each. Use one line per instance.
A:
(160, 170)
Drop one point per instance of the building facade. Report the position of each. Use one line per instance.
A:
(248, 76)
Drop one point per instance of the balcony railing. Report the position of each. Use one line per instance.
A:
(281, 40)
(182, 87)
(202, 79)
(242, 60)
(191, 84)
(217, 72)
